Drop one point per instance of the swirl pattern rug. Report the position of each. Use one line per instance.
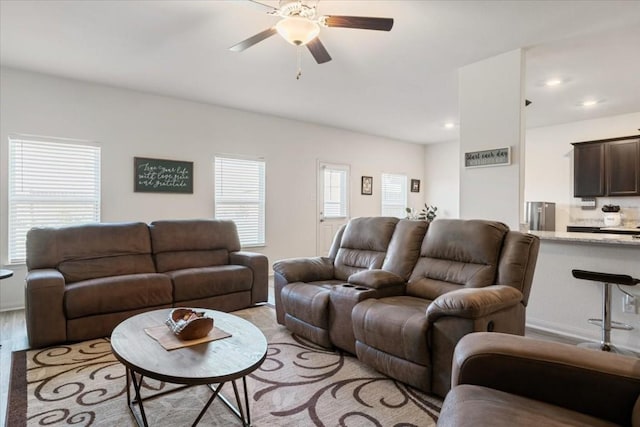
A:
(299, 384)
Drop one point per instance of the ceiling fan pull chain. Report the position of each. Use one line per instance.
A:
(299, 63)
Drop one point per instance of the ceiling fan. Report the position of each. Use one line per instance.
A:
(300, 26)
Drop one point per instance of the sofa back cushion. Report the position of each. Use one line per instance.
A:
(91, 251)
(364, 245)
(457, 253)
(404, 248)
(194, 243)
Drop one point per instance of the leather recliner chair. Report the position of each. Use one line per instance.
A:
(505, 380)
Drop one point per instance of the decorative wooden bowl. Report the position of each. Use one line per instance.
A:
(189, 324)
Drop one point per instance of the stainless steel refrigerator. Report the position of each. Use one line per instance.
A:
(541, 216)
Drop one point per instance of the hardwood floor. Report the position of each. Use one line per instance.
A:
(13, 337)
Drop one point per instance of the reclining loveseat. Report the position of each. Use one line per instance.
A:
(400, 294)
(83, 280)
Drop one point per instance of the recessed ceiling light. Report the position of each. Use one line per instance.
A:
(553, 82)
(589, 103)
(449, 125)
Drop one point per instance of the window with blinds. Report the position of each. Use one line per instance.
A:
(240, 197)
(335, 193)
(52, 182)
(394, 195)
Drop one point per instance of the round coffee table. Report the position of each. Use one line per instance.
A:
(212, 363)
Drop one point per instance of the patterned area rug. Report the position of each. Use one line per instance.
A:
(299, 384)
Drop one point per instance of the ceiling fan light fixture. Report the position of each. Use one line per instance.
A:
(297, 31)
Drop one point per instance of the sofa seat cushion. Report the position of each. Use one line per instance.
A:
(116, 294)
(394, 325)
(476, 406)
(203, 282)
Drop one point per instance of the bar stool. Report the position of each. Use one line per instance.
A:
(606, 323)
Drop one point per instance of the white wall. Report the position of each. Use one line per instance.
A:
(128, 124)
(549, 171)
(491, 110)
(442, 178)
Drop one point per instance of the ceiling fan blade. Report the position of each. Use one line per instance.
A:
(318, 51)
(360, 22)
(253, 40)
(264, 7)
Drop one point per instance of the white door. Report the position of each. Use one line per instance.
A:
(333, 203)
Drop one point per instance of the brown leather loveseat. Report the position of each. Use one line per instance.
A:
(83, 280)
(400, 294)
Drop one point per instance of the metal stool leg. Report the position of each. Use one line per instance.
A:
(606, 324)
(605, 342)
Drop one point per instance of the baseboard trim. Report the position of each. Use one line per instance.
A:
(575, 336)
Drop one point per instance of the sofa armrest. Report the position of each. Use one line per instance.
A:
(376, 279)
(473, 303)
(45, 318)
(259, 265)
(305, 269)
(601, 384)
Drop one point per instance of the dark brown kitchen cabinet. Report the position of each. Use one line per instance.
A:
(607, 167)
(623, 168)
(588, 170)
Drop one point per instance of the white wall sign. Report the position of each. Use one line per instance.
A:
(495, 157)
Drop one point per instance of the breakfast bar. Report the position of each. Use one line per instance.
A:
(561, 304)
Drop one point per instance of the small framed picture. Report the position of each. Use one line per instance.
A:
(415, 185)
(367, 185)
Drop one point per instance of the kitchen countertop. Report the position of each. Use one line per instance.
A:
(597, 238)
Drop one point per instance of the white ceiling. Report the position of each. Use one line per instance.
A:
(401, 84)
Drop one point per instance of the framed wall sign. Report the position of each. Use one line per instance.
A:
(494, 157)
(162, 176)
(415, 185)
(366, 187)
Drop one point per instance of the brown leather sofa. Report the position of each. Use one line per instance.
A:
(83, 280)
(401, 297)
(505, 380)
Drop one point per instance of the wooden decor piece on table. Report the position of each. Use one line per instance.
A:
(188, 324)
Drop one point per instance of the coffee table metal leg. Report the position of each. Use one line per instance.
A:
(246, 400)
(239, 404)
(237, 410)
(216, 391)
(141, 419)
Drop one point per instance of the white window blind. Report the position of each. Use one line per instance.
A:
(240, 197)
(394, 195)
(51, 183)
(335, 193)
